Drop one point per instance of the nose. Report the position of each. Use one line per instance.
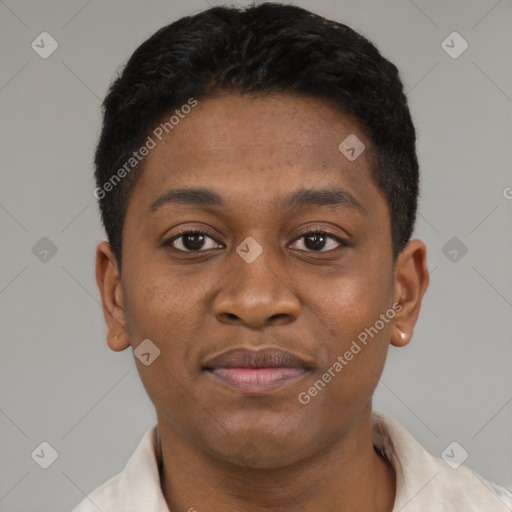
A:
(255, 294)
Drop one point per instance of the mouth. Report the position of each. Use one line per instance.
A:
(256, 372)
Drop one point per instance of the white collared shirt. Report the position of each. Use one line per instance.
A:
(424, 483)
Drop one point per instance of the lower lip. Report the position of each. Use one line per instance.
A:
(257, 380)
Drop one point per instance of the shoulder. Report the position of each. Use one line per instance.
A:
(105, 497)
(427, 482)
(136, 487)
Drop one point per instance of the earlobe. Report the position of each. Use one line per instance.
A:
(118, 342)
(400, 338)
(110, 287)
(411, 282)
(117, 335)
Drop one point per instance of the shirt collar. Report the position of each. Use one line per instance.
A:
(423, 482)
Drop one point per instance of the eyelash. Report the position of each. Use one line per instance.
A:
(169, 242)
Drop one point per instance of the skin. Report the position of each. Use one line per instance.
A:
(222, 449)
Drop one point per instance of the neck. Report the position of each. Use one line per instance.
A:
(346, 475)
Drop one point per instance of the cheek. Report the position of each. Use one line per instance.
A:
(358, 317)
(159, 310)
(170, 310)
(156, 305)
(353, 302)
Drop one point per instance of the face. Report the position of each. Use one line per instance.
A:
(287, 248)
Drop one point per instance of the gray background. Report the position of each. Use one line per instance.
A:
(59, 381)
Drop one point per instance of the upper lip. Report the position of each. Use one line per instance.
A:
(262, 358)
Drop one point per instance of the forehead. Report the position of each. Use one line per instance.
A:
(257, 149)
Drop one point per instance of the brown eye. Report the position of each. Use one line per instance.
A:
(190, 241)
(317, 241)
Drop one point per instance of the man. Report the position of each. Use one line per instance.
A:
(258, 183)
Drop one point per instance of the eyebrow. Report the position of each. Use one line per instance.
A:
(302, 198)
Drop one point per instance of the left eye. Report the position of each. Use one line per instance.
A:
(316, 241)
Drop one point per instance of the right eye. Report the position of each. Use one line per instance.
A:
(189, 241)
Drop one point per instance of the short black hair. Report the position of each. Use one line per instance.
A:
(271, 48)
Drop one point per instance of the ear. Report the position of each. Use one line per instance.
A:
(112, 298)
(411, 282)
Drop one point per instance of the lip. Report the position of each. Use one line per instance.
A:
(256, 371)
